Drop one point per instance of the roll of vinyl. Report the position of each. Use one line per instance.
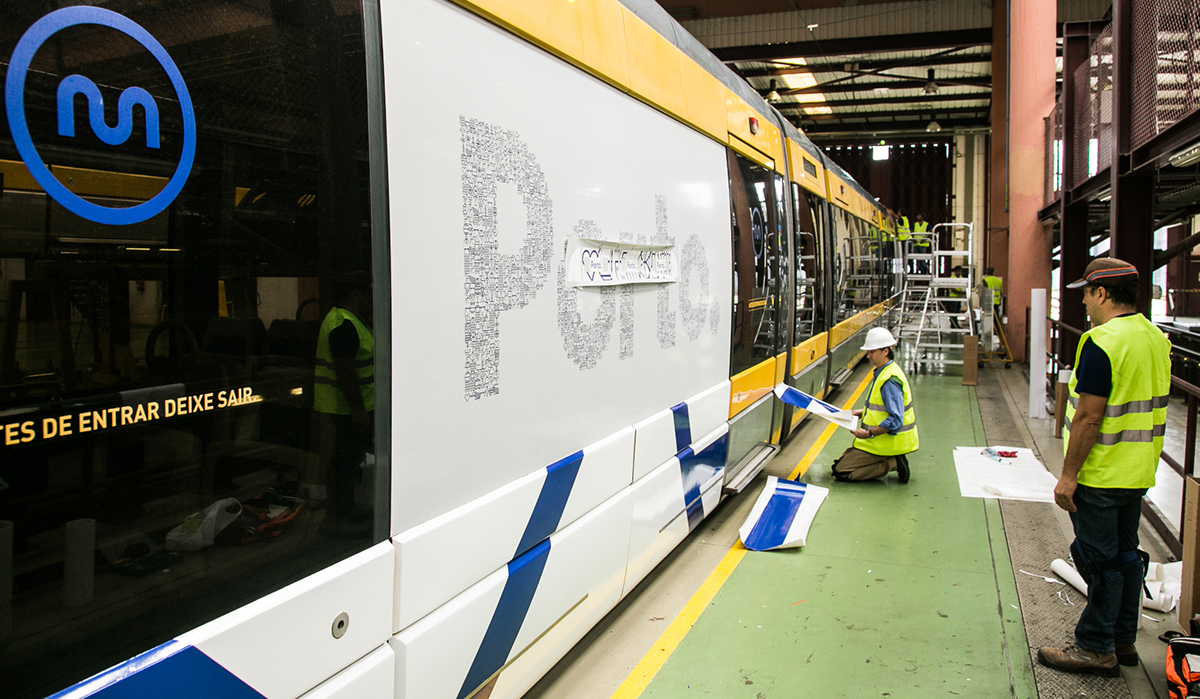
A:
(6, 577)
(79, 563)
(1068, 574)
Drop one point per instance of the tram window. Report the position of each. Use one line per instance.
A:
(170, 378)
(810, 311)
(755, 256)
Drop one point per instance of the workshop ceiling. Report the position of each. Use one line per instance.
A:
(862, 68)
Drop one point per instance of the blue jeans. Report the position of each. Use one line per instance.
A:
(1106, 530)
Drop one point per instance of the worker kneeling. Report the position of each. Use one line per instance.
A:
(888, 429)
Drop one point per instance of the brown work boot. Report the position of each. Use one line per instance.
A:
(1076, 659)
(1127, 654)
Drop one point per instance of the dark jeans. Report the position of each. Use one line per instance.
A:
(1106, 526)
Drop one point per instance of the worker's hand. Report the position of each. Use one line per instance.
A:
(1064, 493)
(862, 434)
(856, 413)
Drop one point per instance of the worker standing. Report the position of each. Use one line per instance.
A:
(1116, 419)
(996, 284)
(904, 233)
(888, 431)
(921, 242)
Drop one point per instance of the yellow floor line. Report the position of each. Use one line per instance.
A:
(652, 661)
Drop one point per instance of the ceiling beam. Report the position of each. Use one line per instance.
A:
(873, 44)
(919, 114)
(839, 130)
(833, 67)
(791, 106)
(893, 84)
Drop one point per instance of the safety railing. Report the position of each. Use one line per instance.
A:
(1054, 159)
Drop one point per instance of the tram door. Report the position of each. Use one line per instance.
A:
(759, 333)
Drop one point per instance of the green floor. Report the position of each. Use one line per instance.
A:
(902, 590)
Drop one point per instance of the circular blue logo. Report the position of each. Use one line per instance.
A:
(14, 93)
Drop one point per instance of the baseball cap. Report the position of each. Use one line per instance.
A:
(1105, 270)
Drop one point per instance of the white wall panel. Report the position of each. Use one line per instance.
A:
(581, 583)
(584, 565)
(571, 367)
(607, 468)
(446, 555)
(709, 410)
(655, 442)
(440, 558)
(659, 521)
(282, 645)
(373, 677)
(434, 655)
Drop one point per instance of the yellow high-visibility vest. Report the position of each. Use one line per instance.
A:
(905, 440)
(1131, 433)
(327, 396)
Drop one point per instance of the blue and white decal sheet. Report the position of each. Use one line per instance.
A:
(501, 366)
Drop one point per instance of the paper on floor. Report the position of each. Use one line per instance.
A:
(982, 475)
(782, 515)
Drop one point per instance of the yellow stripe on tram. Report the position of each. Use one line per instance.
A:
(652, 661)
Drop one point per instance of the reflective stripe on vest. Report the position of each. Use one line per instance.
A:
(327, 396)
(905, 440)
(1135, 420)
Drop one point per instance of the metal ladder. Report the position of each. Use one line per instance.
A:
(939, 332)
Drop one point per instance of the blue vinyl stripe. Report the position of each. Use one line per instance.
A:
(560, 478)
(696, 470)
(683, 427)
(170, 671)
(776, 519)
(524, 574)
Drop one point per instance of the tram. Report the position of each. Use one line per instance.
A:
(578, 254)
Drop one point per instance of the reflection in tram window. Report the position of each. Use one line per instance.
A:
(166, 457)
(810, 300)
(756, 246)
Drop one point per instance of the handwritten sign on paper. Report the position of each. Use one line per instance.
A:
(605, 263)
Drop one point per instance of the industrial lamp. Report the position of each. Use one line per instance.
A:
(773, 95)
(1187, 156)
(933, 127)
(931, 87)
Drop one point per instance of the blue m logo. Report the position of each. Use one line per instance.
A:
(78, 85)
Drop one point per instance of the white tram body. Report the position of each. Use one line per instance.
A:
(602, 251)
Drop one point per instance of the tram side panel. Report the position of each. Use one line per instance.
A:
(510, 379)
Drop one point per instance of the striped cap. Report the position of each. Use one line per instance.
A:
(1106, 270)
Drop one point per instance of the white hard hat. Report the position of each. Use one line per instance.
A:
(878, 338)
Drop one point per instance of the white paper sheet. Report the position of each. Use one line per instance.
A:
(1019, 478)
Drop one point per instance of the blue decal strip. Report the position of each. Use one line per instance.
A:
(560, 478)
(776, 519)
(524, 574)
(172, 670)
(696, 470)
(683, 427)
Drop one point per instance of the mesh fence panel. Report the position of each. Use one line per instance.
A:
(1083, 122)
(1166, 65)
(1054, 163)
(1102, 106)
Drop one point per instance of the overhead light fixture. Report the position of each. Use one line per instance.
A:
(1187, 156)
(931, 87)
(933, 127)
(813, 26)
(773, 95)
